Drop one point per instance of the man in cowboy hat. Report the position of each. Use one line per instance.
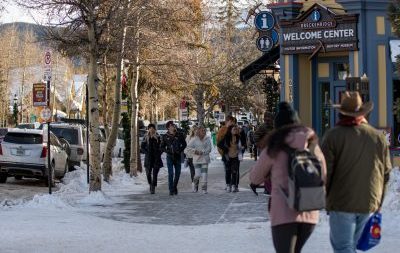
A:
(358, 167)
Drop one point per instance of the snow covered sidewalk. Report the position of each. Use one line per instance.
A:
(71, 220)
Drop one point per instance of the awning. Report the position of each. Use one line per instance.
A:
(260, 64)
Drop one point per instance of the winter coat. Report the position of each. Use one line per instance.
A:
(151, 147)
(173, 145)
(188, 139)
(277, 168)
(203, 146)
(358, 168)
(224, 146)
(220, 135)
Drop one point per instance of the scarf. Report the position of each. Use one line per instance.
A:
(351, 121)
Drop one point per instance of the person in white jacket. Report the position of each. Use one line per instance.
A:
(199, 148)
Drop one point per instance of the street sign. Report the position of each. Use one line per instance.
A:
(45, 114)
(264, 21)
(183, 114)
(275, 36)
(47, 66)
(39, 94)
(265, 43)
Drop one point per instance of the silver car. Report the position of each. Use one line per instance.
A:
(23, 153)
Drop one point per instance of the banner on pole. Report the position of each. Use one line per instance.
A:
(39, 94)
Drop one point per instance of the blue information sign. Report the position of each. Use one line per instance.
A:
(264, 21)
(265, 43)
(275, 36)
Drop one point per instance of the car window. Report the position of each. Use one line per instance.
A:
(161, 127)
(23, 138)
(26, 126)
(70, 134)
(54, 141)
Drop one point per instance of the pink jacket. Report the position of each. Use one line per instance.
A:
(280, 212)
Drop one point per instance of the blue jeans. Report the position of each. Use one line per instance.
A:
(345, 230)
(171, 163)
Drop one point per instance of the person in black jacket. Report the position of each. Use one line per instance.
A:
(151, 147)
(173, 143)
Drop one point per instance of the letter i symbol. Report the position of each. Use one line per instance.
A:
(264, 21)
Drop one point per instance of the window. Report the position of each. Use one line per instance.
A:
(70, 134)
(342, 71)
(23, 138)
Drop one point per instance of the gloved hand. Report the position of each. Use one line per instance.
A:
(253, 187)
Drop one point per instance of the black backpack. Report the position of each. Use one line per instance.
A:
(306, 190)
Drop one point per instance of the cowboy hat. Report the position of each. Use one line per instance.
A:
(352, 105)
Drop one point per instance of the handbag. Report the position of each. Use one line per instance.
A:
(371, 234)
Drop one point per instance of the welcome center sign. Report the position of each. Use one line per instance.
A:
(319, 29)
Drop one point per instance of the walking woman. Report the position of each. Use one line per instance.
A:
(290, 229)
(232, 147)
(151, 147)
(189, 156)
(199, 149)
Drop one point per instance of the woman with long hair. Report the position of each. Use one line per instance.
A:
(290, 228)
(189, 156)
(232, 147)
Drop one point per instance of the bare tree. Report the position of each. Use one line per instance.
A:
(81, 25)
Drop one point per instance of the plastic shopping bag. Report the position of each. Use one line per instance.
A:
(371, 234)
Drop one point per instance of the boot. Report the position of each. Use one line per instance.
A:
(235, 189)
(152, 189)
(228, 188)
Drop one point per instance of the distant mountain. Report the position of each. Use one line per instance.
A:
(21, 27)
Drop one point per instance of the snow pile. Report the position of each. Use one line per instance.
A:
(392, 198)
(95, 198)
(47, 201)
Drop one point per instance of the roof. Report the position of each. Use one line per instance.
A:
(260, 64)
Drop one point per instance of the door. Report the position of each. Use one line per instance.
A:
(329, 91)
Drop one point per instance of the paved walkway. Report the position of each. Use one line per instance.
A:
(188, 208)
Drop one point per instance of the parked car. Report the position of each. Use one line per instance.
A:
(75, 134)
(119, 144)
(23, 153)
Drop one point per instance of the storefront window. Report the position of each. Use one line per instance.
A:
(342, 71)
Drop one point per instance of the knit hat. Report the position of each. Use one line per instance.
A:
(169, 123)
(286, 115)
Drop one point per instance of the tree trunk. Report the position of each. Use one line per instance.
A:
(107, 164)
(95, 168)
(135, 155)
(105, 95)
(198, 96)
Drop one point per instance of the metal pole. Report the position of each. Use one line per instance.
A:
(48, 140)
(87, 131)
(48, 156)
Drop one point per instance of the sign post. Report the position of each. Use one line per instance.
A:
(46, 113)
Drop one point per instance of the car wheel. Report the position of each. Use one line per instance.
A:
(52, 177)
(66, 168)
(18, 177)
(3, 178)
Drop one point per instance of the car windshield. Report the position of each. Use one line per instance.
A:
(26, 126)
(23, 138)
(70, 134)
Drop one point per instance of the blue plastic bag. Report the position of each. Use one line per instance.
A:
(371, 234)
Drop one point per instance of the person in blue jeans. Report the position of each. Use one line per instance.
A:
(173, 143)
(358, 168)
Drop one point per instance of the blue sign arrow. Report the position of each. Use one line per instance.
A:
(265, 43)
(264, 21)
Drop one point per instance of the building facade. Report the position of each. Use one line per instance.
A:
(330, 46)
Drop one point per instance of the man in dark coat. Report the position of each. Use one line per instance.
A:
(358, 168)
(173, 143)
(151, 147)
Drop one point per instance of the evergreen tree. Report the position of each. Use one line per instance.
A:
(15, 114)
